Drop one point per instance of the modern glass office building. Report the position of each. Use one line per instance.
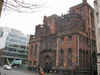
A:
(13, 46)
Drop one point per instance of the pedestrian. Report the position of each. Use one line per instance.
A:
(41, 72)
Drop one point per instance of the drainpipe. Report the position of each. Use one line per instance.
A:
(78, 49)
(57, 52)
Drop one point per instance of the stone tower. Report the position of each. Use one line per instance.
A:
(84, 1)
(65, 43)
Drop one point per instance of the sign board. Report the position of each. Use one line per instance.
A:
(17, 61)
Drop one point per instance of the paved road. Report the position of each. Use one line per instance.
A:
(20, 72)
(15, 72)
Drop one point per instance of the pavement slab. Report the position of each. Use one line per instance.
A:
(21, 72)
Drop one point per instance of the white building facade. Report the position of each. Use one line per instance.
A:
(97, 21)
(13, 46)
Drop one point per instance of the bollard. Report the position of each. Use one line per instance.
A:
(0, 73)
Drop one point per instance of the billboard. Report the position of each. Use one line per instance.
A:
(17, 61)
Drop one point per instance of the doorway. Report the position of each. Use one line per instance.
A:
(47, 63)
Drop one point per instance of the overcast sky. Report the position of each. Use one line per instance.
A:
(27, 22)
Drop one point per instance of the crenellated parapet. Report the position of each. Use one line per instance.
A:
(72, 15)
(42, 30)
(70, 22)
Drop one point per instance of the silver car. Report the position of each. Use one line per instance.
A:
(7, 67)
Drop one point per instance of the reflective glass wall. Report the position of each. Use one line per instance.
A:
(16, 46)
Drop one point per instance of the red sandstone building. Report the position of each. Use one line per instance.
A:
(65, 43)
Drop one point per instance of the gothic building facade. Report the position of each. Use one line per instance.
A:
(66, 42)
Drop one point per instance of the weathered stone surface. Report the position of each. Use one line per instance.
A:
(75, 31)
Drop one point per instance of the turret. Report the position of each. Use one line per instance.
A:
(84, 1)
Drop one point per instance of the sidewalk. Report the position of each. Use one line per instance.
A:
(44, 73)
(36, 72)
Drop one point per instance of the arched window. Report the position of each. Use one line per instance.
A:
(35, 51)
(30, 63)
(94, 58)
(61, 57)
(54, 59)
(40, 58)
(87, 58)
(69, 58)
(92, 18)
(79, 38)
(31, 50)
(62, 40)
(34, 62)
(80, 58)
(70, 38)
(83, 58)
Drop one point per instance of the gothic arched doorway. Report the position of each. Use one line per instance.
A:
(47, 62)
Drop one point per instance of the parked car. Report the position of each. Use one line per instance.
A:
(7, 67)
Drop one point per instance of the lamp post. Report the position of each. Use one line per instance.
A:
(90, 48)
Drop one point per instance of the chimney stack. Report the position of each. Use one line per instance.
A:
(84, 1)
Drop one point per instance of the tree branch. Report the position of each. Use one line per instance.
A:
(22, 6)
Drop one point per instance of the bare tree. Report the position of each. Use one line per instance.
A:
(23, 6)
